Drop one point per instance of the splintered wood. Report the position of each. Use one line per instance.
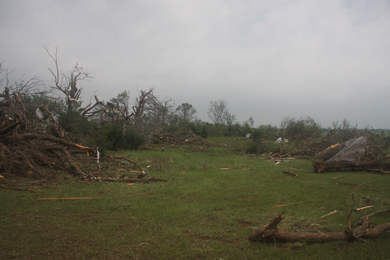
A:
(329, 214)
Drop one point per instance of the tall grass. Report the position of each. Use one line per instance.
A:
(211, 203)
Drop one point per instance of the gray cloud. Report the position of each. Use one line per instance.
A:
(269, 59)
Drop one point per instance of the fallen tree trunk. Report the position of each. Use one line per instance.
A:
(271, 232)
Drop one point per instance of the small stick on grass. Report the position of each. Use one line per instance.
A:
(367, 207)
(329, 214)
(68, 198)
(290, 173)
(277, 206)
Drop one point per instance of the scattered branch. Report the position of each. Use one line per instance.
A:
(290, 173)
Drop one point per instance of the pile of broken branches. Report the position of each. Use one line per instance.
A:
(34, 146)
(356, 154)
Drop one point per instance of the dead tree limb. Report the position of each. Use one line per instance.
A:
(290, 173)
(372, 214)
(270, 232)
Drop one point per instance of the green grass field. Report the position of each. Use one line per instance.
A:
(203, 211)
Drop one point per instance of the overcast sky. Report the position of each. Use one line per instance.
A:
(328, 59)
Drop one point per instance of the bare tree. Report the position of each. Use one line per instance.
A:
(139, 107)
(148, 112)
(67, 83)
(158, 112)
(32, 86)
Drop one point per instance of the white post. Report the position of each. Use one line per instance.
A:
(97, 154)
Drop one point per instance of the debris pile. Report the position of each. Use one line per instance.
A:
(33, 145)
(355, 154)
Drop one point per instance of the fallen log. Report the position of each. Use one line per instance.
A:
(270, 232)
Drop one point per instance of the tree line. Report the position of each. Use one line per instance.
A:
(117, 124)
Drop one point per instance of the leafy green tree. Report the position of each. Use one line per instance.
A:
(132, 140)
(32, 101)
(200, 128)
(112, 136)
(217, 110)
(184, 115)
(186, 112)
(80, 128)
(301, 129)
(219, 113)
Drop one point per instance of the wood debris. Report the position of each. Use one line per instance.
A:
(69, 198)
(290, 173)
(333, 212)
(270, 232)
(34, 146)
(356, 154)
(277, 206)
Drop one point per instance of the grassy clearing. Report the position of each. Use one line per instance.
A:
(202, 212)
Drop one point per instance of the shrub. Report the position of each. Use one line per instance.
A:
(260, 147)
(132, 140)
(111, 137)
(72, 122)
(300, 130)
